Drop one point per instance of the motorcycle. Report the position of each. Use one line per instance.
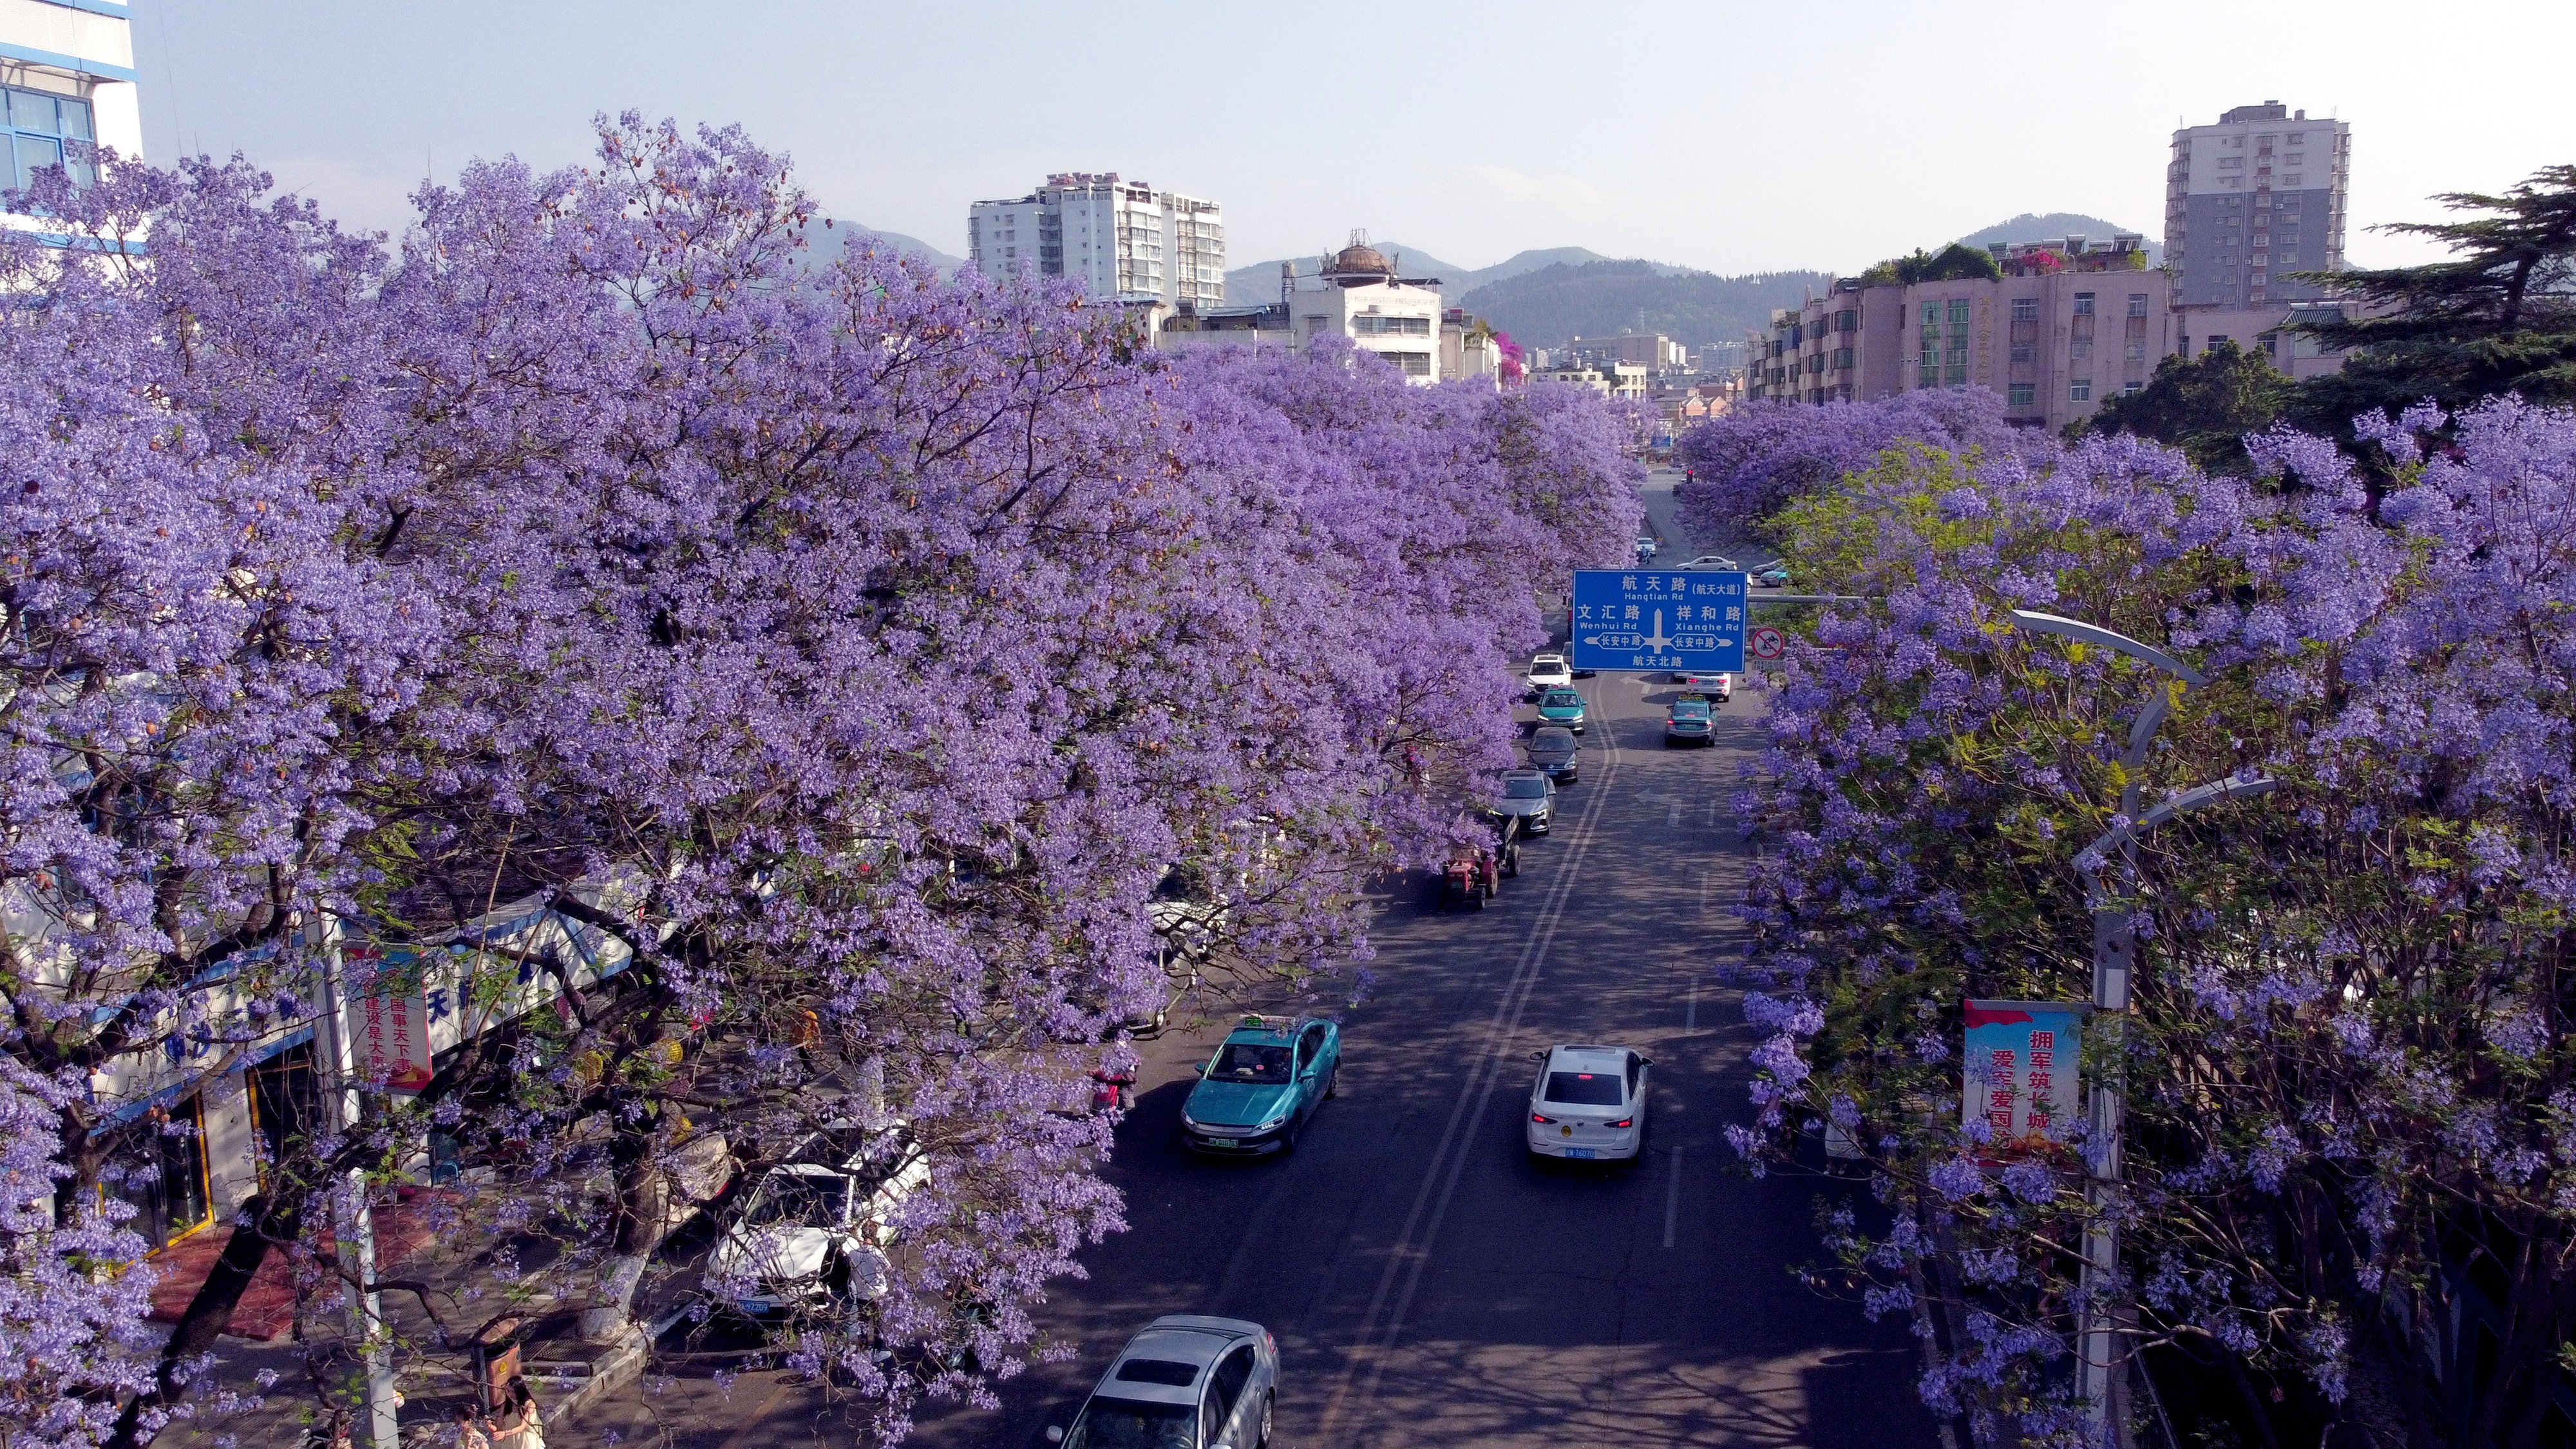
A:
(1110, 1090)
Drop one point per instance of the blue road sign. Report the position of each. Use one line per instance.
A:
(1659, 619)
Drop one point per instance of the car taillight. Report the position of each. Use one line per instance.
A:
(1625, 1122)
(1545, 1121)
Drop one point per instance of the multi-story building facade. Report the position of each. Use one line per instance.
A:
(1354, 294)
(66, 86)
(2068, 324)
(2253, 200)
(1656, 352)
(1122, 240)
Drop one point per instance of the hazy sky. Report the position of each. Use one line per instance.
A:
(1735, 137)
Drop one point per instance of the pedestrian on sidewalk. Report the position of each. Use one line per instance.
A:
(471, 1430)
(518, 1424)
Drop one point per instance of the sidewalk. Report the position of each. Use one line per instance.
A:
(267, 1308)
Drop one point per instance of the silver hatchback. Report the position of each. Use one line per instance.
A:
(1184, 1383)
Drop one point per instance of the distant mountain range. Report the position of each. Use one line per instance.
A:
(1258, 284)
(824, 244)
(1553, 305)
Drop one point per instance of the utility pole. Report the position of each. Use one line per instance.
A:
(353, 1221)
(2115, 949)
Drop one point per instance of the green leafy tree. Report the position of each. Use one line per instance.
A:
(2204, 405)
(2498, 317)
(1953, 263)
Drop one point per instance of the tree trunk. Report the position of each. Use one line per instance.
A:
(272, 1218)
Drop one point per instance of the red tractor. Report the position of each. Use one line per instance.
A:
(1474, 874)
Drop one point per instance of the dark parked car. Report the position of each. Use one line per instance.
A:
(1554, 753)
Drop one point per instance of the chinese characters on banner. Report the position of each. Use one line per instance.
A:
(2020, 1077)
(390, 1025)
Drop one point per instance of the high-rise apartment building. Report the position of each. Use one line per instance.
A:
(2251, 200)
(66, 85)
(1122, 240)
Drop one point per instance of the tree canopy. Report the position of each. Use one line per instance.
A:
(2205, 405)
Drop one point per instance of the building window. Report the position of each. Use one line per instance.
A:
(2137, 352)
(2083, 304)
(2023, 353)
(1929, 374)
(1842, 359)
(2080, 390)
(1958, 311)
(1847, 320)
(2137, 304)
(1415, 364)
(1931, 315)
(1816, 363)
(2025, 309)
(166, 1173)
(2080, 348)
(44, 130)
(2022, 395)
(2132, 389)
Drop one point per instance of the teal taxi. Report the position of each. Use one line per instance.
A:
(1262, 1086)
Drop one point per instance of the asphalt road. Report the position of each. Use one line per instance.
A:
(1427, 1282)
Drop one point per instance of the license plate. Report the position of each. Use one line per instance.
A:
(1225, 1142)
(757, 1305)
(1578, 1152)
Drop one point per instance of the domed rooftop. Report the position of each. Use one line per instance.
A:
(1357, 264)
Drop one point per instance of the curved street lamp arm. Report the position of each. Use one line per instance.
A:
(2039, 623)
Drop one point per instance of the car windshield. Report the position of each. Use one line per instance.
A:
(1584, 1089)
(1562, 699)
(1524, 789)
(1129, 1424)
(1251, 1061)
(797, 1199)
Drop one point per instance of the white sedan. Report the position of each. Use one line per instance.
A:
(1711, 561)
(1546, 672)
(1589, 1102)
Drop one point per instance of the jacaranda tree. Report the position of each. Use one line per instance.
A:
(848, 651)
(2347, 1080)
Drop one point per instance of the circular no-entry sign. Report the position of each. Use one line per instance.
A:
(1766, 643)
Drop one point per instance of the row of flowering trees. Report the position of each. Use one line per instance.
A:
(2352, 1095)
(885, 639)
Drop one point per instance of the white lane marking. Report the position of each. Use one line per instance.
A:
(1690, 1013)
(1673, 1199)
(1673, 816)
(1712, 812)
(1703, 893)
(1412, 1252)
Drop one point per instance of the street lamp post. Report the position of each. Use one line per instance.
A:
(2115, 944)
(353, 1224)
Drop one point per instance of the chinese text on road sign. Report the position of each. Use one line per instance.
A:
(1658, 619)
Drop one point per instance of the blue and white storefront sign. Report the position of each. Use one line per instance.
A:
(1659, 619)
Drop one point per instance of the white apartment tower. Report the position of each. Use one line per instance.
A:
(2251, 200)
(66, 85)
(1120, 239)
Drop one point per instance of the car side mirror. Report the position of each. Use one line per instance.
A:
(1055, 1433)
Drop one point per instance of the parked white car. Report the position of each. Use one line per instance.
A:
(1546, 672)
(818, 1229)
(1589, 1102)
(1710, 561)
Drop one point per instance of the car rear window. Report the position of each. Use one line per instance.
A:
(1158, 1371)
(1585, 1089)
